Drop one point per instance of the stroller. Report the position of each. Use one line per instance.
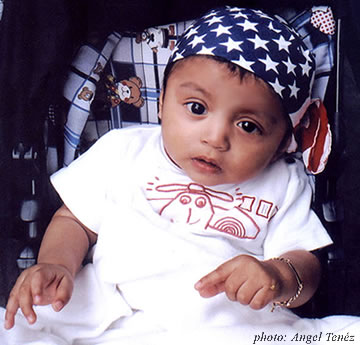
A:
(135, 55)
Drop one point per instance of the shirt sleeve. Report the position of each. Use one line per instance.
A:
(83, 186)
(295, 226)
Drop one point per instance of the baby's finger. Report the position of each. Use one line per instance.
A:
(244, 294)
(63, 293)
(11, 309)
(210, 290)
(213, 283)
(263, 297)
(13, 303)
(236, 289)
(26, 304)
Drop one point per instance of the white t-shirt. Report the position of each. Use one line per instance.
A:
(159, 232)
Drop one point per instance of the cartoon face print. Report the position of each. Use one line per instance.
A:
(234, 214)
(124, 91)
(193, 204)
(127, 91)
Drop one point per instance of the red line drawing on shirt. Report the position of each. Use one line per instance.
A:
(196, 204)
(231, 226)
(193, 202)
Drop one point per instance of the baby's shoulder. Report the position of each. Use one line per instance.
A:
(287, 169)
(281, 178)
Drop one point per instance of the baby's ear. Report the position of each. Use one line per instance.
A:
(283, 148)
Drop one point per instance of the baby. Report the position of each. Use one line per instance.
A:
(208, 194)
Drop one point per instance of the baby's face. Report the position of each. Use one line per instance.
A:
(217, 128)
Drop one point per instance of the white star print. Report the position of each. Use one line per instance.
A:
(231, 45)
(259, 43)
(262, 14)
(283, 43)
(214, 20)
(239, 15)
(192, 31)
(269, 64)
(271, 27)
(244, 63)
(206, 51)
(222, 30)
(197, 40)
(294, 90)
(248, 25)
(290, 66)
(306, 68)
(211, 14)
(277, 86)
(178, 56)
(307, 54)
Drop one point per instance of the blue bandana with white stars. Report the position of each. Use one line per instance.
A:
(259, 43)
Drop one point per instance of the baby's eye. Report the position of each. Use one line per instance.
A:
(196, 108)
(249, 127)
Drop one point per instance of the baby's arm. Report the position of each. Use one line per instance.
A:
(257, 283)
(63, 249)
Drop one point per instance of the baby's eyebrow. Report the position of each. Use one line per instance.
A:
(194, 86)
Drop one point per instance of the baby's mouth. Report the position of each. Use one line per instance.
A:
(206, 164)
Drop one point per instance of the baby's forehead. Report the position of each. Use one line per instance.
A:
(232, 69)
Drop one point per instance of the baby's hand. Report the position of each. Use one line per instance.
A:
(41, 284)
(244, 279)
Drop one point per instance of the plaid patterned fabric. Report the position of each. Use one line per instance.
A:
(80, 90)
(131, 81)
(143, 56)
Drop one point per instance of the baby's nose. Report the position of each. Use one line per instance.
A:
(216, 135)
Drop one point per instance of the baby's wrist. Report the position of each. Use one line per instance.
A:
(292, 284)
(59, 266)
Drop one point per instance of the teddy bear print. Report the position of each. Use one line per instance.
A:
(86, 94)
(127, 91)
